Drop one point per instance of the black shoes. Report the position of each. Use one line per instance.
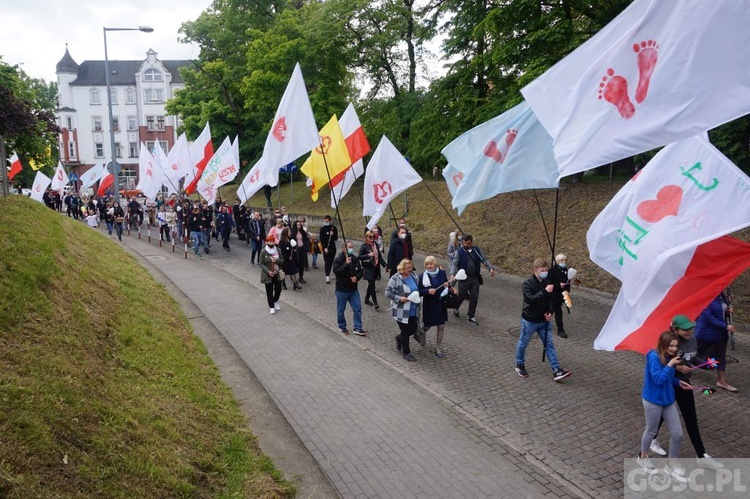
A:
(561, 333)
(410, 358)
(472, 320)
(561, 373)
(368, 302)
(455, 313)
(521, 370)
(302, 281)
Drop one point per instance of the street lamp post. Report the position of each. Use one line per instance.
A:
(115, 165)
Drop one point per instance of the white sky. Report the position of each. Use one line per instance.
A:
(33, 33)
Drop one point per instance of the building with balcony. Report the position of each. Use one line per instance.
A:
(140, 90)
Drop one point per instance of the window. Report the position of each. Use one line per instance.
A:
(95, 97)
(99, 150)
(153, 95)
(72, 149)
(133, 150)
(113, 95)
(160, 122)
(152, 144)
(118, 150)
(150, 122)
(132, 123)
(152, 75)
(129, 96)
(70, 123)
(115, 123)
(97, 123)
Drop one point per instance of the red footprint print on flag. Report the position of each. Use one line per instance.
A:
(457, 178)
(491, 150)
(279, 128)
(614, 89)
(382, 191)
(648, 56)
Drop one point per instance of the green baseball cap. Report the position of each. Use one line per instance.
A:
(682, 322)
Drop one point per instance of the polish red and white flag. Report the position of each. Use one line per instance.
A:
(358, 147)
(15, 166)
(201, 152)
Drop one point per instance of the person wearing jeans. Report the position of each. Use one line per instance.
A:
(535, 318)
(348, 271)
(196, 230)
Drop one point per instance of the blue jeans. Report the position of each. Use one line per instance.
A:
(544, 331)
(257, 246)
(206, 239)
(110, 227)
(197, 238)
(352, 297)
(315, 259)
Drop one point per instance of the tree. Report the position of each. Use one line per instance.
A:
(27, 119)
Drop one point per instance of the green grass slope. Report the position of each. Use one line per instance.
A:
(104, 390)
(508, 227)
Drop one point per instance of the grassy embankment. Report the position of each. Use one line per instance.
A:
(508, 227)
(104, 390)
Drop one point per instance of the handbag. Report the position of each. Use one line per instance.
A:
(420, 334)
(281, 274)
(451, 300)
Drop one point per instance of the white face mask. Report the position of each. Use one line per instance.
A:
(270, 248)
(402, 236)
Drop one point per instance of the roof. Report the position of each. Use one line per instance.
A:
(66, 109)
(91, 73)
(66, 64)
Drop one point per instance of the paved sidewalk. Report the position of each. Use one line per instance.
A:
(463, 426)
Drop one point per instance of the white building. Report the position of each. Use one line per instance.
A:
(140, 90)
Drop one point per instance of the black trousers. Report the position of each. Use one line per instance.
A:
(301, 262)
(407, 330)
(686, 402)
(371, 292)
(469, 289)
(273, 291)
(557, 308)
(328, 259)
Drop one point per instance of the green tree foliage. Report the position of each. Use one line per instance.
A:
(27, 118)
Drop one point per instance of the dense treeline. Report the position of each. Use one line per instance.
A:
(377, 54)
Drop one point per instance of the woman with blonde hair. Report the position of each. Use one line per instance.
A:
(431, 284)
(404, 311)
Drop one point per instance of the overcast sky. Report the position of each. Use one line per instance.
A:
(33, 33)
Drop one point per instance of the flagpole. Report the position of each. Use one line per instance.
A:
(544, 224)
(242, 184)
(554, 229)
(443, 207)
(335, 201)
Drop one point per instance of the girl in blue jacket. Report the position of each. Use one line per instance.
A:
(659, 384)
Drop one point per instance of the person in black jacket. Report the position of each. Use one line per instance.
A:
(328, 237)
(256, 232)
(224, 225)
(299, 234)
(535, 318)
(558, 277)
(372, 260)
(348, 271)
(397, 251)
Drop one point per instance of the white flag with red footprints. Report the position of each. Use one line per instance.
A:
(357, 146)
(688, 281)
(387, 175)
(41, 181)
(162, 169)
(252, 182)
(453, 178)
(200, 152)
(60, 178)
(293, 132)
(660, 72)
(178, 160)
(688, 194)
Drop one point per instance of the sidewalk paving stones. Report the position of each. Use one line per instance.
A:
(462, 426)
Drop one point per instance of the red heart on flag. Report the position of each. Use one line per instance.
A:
(667, 203)
(384, 189)
(279, 128)
(325, 145)
(457, 178)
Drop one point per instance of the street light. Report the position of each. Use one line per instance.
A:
(115, 165)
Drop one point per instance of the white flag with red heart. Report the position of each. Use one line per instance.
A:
(688, 194)
(387, 175)
(60, 179)
(41, 181)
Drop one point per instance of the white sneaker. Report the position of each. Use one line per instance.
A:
(708, 462)
(656, 448)
(277, 306)
(273, 311)
(676, 473)
(328, 279)
(645, 463)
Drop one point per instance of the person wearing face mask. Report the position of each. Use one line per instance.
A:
(328, 237)
(535, 318)
(431, 284)
(395, 235)
(558, 277)
(398, 250)
(348, 271)
(455, 241)
(470, 259)
(270, 264)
